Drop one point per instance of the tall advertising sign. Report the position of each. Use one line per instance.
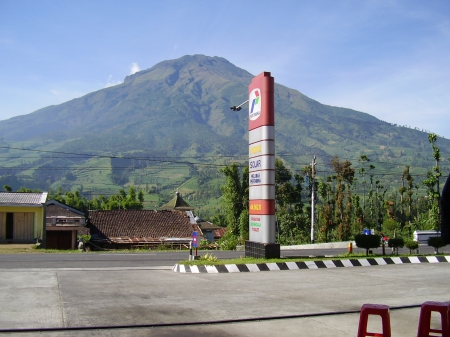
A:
(261, 153)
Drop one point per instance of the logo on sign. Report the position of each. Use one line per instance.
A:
(255, 104)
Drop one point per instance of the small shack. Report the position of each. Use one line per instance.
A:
(63, 225)
(210, 231)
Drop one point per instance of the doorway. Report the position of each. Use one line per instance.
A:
(9, 226)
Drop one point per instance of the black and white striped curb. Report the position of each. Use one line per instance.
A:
(254, 267)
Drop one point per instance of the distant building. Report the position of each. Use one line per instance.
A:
(177, 203)
(123, 229)
(210, 231)
(63, 225)
(22, 217)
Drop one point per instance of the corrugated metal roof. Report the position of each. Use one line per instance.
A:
(16, 198)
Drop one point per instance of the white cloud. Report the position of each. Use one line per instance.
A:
(134, 68)
(111, 83)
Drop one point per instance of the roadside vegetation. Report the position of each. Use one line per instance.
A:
(347, 202)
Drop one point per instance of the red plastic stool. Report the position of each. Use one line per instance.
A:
(374, 309)
(425, 317)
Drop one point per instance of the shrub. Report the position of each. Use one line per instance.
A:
(412, 245)
(436, 242)
(367, 241)
(228, 241)
(208, 257)
(85, 237)
(395, 244)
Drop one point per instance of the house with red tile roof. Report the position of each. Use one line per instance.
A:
(172, 225)
(208, 230)
(121, 229)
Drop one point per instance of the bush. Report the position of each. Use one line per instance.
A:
(436, 242)
(208, 257)
(228, 241)
(412, 245)
(367, 241)
(85, 237)
(395, 244)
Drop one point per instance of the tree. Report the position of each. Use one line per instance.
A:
(290, 218)
(432, 185)
(76, 200)
(344, 178)
(405, 215)
(28, 190)
(122, 200)
(367, 241)
(363, 159)
(395, 244)
(234, 198)
(436, 242)
(411, 245)
(7, 188)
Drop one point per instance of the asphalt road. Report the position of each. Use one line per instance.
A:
(149, 259)
(99, 260)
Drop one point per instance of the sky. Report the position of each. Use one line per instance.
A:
(390, 59)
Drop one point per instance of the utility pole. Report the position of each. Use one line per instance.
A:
(313, 169)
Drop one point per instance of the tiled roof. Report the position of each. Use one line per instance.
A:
(218, 233)
(17, 198)
(208, 226)
(140, 225)
(177, 203)
(55, 208)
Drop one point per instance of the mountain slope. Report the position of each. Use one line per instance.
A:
(180, 108)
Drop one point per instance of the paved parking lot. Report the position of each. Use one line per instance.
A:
(321, 302)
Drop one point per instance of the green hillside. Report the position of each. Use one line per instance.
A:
(170, 127)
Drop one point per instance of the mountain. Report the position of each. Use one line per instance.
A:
(176, 114)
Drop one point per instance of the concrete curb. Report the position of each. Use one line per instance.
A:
(329, 245)
(239, 268)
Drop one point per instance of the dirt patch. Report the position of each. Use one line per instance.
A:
(13, 248)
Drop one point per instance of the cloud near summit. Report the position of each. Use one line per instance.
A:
(134, 68)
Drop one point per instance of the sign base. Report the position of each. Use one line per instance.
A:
(262, 250)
